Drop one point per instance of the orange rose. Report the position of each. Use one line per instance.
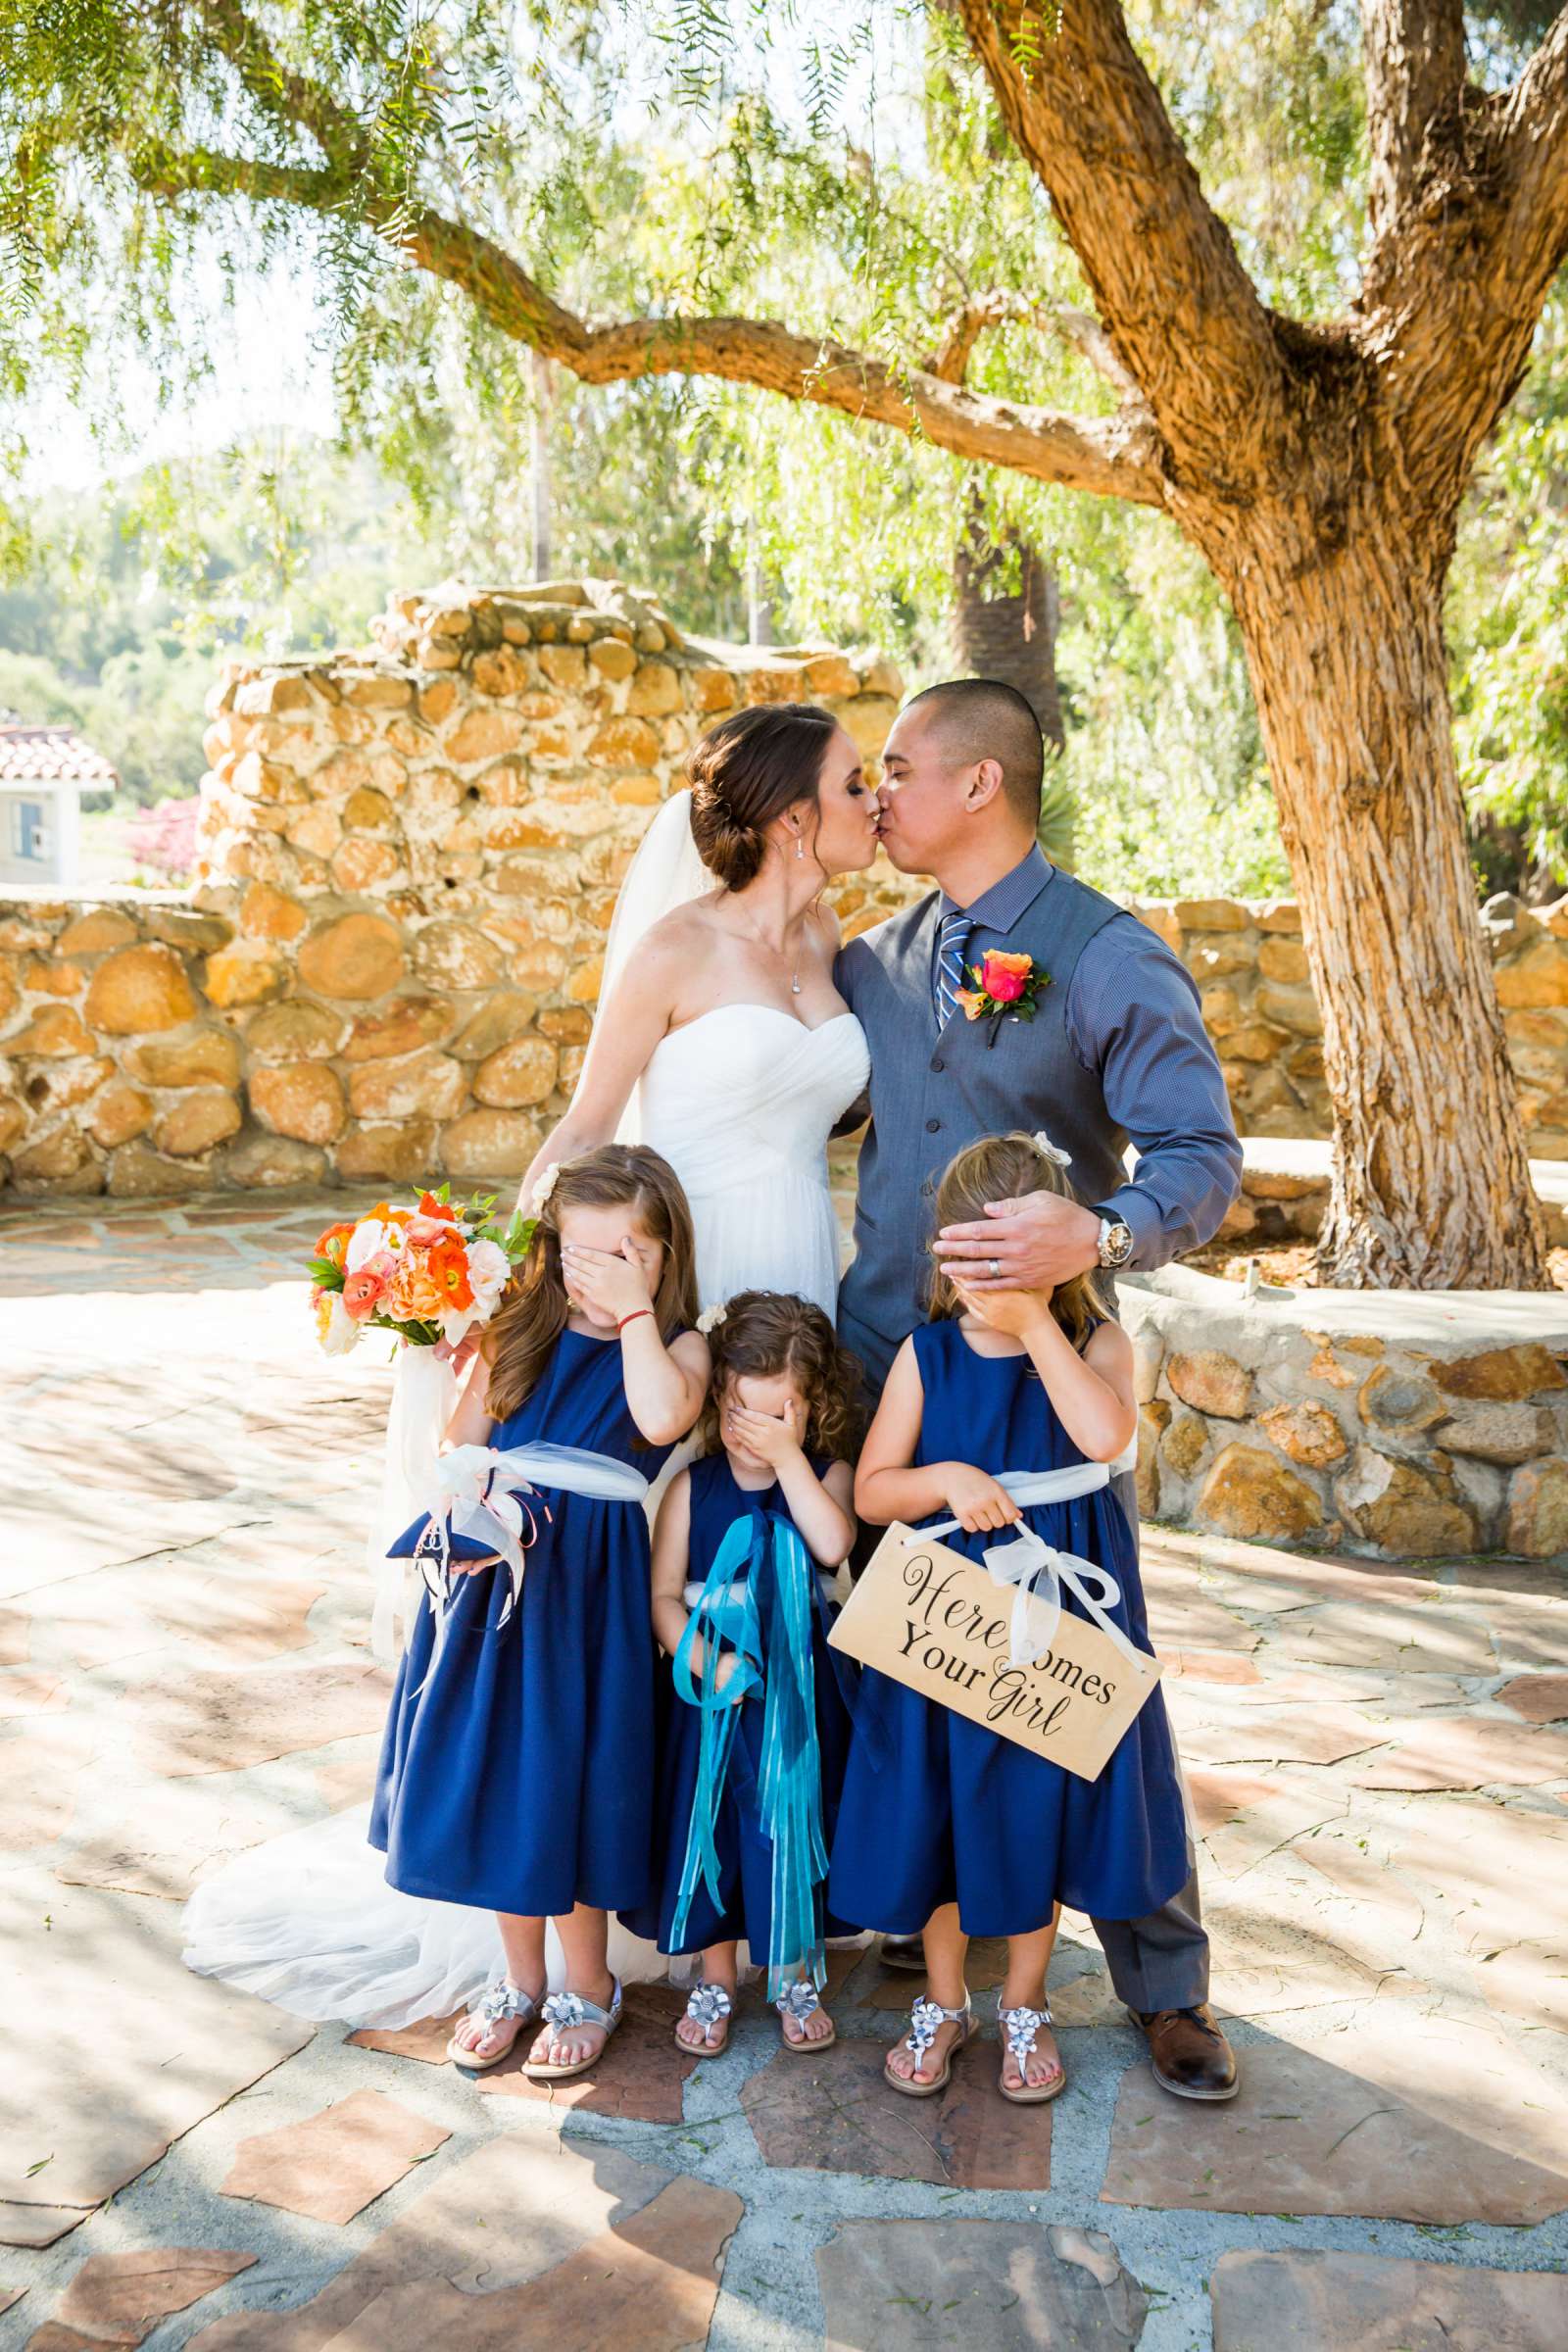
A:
(333, 1244)
(1005, 977)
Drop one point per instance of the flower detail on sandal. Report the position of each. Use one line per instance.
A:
(502, 2000)
(926, 2018)
(709, 2006)
(798, 2000)
(1020, 2027)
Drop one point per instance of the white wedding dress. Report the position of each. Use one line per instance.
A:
(741, 1101)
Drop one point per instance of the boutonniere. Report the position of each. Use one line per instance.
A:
(1004, 984)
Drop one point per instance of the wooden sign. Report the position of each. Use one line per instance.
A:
(927, 1616)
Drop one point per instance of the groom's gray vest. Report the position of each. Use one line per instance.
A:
(932, 1095)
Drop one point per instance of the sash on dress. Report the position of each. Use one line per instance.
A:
(764, 1623)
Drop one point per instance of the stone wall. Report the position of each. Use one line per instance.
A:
(1417, 1423)
(410, 853)
(408, 856)
(1250, 964)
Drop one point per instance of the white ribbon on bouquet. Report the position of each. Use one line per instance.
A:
(1038, 1571)
(424, 1398)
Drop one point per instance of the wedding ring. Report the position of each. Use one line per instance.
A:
(995, 1269)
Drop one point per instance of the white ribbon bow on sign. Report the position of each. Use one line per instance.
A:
(1038, 1571)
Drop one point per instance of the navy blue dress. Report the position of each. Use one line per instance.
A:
(744, 1854)
(517, 1774)
(937, 1809)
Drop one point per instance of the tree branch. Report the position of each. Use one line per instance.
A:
(1112, 457)
(1181, 313)
(1452, 294)
(1534, 234)
(1415, 76)
(280, 90)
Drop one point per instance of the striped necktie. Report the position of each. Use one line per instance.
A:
(951, 941)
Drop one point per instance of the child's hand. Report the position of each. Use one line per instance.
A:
(771, 1439)
(725, 1672)
(1015, 1312)
(609, 1283)
(975, 1499)
(460, 1355)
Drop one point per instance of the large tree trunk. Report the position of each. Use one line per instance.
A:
(1431, 1179)
(998, 633)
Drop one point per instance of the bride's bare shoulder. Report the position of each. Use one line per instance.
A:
(676, 945)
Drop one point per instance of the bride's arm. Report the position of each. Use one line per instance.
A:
(629, 1025)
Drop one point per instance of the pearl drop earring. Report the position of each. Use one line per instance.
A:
(800, 847)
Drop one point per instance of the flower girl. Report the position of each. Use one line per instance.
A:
(946, 1826)
(517, 1769)
(753, 1733)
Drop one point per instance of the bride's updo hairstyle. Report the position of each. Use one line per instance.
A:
(743, 774)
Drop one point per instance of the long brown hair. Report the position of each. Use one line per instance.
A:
(768, 1333)
(532, 1318)
(1009, 1167)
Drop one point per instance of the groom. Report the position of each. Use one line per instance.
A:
(1116, 1051)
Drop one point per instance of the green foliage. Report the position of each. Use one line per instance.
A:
(1507, 623)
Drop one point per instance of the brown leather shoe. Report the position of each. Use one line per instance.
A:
(1191, 2055)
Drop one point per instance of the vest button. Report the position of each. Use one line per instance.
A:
(937, 1064)
(933, 1126)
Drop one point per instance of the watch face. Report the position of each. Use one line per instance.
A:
(1118, 1245)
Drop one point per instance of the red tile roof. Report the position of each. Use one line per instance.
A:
(49, 756)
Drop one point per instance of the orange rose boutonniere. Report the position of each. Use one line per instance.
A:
(1004, 983)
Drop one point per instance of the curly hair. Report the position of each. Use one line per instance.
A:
(516, 1345)
(764, 1334)
(1007, 1167)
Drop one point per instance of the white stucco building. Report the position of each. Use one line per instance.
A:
(43, 774)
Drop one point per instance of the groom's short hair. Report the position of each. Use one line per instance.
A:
(984, 719)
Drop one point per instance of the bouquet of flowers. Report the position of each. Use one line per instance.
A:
(430, 1273)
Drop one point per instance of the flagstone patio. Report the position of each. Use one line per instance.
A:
(1379, 1767)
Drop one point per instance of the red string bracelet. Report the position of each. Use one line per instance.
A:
(631, 1318)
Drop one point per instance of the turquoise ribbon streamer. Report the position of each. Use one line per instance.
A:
(769, 1634)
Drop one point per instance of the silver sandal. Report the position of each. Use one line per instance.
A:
(499, 2000)
(1020, 2027)
(926, 2019)
(708, 2005)
(563, 2012)
(799, 2001)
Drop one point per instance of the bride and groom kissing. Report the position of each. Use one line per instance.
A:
(736, 1034)
(740, 1033)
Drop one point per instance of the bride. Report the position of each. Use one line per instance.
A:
(722, 1042)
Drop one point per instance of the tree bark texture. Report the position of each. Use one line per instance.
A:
(1431, 1186)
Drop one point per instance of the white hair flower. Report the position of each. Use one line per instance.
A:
(1049, 1151)
(545, 1186)
(710, 1318)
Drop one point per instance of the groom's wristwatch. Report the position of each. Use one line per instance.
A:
(1115, 1243)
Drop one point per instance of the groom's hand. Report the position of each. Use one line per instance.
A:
(1023, 1244)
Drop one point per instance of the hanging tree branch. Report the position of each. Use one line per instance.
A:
(1114, 457)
